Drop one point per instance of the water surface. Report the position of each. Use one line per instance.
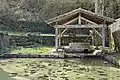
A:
(59, 69)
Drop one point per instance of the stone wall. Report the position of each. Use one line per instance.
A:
(4, 42)
(115, 28)
(116, 36)
(31, 41)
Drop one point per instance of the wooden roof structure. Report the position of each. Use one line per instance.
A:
(73, 15)
(74, 19)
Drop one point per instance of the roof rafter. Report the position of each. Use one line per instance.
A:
(62, 19)
(77, 26)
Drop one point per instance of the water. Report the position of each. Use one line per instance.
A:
(58, 69)
(4, 75)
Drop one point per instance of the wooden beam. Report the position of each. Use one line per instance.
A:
(78, 26)
(96, 6)
(56, 38)
(60, 37)
(88, 21)
(97, 32)
(79, 20)
(92, 28)
(77, 35)
(103, 6)
(103, 37)
(64, 31)
(75, 13)
(62, 16)
(93, 24)
(67, 23)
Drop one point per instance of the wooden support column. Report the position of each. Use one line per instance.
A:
(60, 37)
(79, 20)
(56, 38)
(92, 40)
(91, 34)
(103, 37)
(96, 6)
(103, 4)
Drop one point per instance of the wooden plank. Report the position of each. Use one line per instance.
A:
(78, 26)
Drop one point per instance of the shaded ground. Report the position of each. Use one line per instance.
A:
(49, 69)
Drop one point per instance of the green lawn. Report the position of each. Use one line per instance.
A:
(24, 34)
(32, 50)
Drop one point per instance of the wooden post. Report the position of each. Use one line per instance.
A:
(103, 37)
(96, 6)
(56, 38)
(60, 37)
(92, 40)
(92, 33)
(79, 20)
(103, 3)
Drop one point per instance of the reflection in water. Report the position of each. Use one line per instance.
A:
(4, 75)
(60, 69)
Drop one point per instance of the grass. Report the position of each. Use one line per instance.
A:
(32, 50)
(24, 34)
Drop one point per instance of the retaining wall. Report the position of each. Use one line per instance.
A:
(31, 40)
(115, 28)
(4, 42)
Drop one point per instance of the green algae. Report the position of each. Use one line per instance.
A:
(58, 69)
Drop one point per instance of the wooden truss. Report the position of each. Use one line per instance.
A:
(66, 21)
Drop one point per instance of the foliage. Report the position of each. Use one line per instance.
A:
(37, 11)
